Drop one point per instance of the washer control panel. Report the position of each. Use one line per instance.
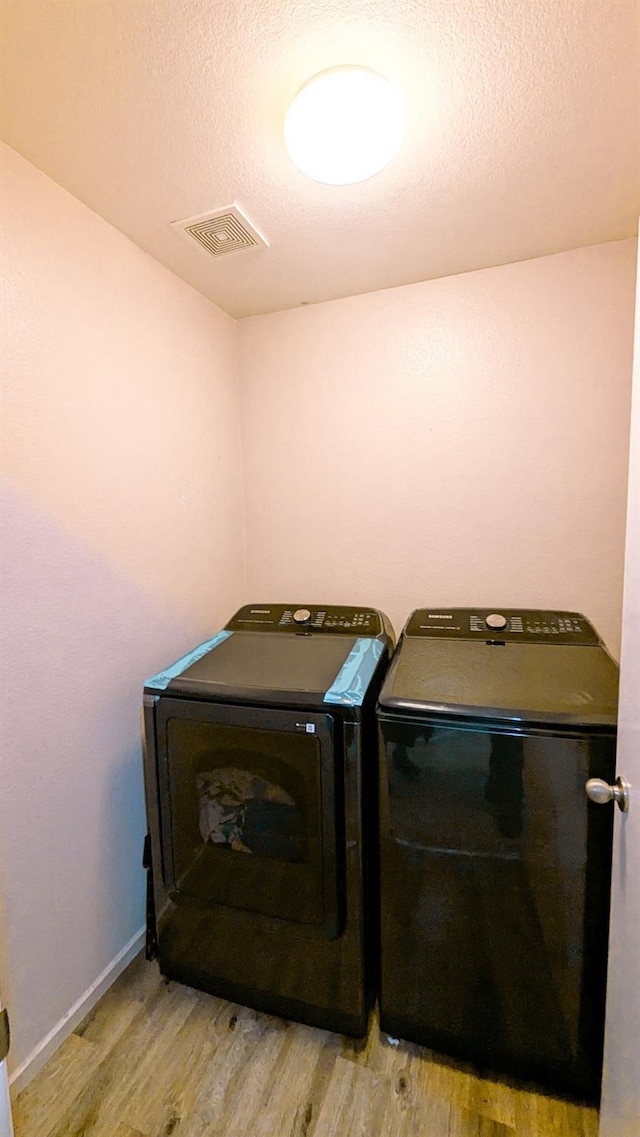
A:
(504, 625)
(292, 618)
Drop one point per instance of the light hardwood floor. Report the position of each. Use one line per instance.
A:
(156, 1059)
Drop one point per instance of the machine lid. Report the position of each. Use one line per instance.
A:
(271, 668)
(551, 684)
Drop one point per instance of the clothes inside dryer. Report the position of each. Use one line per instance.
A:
(248, 814)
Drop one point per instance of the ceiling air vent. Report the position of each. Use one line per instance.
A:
(224, 231)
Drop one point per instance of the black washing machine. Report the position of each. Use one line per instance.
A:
(495, 867)
(260, 776)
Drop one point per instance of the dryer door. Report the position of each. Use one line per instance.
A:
(248, 809)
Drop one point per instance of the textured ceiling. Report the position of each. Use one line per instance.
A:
(522, 134)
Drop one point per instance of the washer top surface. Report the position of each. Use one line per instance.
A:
(284, 654)
(267, 665)
(526, 666)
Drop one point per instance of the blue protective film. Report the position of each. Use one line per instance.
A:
(163, 678)
(350, 684)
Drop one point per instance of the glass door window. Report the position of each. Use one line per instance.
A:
(248, 810)
(249, 814)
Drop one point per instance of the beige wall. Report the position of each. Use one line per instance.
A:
(122, 547)
(462, 441)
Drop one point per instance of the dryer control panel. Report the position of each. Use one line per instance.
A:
(503, 625)
(291, 618)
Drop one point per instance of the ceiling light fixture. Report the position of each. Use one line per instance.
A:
(344, 125)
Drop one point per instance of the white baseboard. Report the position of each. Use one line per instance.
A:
(41, 1053)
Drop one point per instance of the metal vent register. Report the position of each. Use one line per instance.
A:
(224, 231)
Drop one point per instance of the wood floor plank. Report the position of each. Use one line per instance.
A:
(590, 1122)
(123, 1083)
(290, 1104)
(469, 1123)
(349, 1102)
(99, 1107)
(241, 1066)
(120, 1005)
(69, 1070)
(54, 1088)
(161, 1060)
(168, 1091)
(240, 1104)
(432, 1087)
(487, 1098)
(537, 1114)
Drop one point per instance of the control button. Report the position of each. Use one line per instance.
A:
(301, 616)
(495, 621)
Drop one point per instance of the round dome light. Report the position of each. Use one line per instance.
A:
(344, 125)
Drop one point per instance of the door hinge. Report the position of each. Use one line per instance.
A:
(5, 1034)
